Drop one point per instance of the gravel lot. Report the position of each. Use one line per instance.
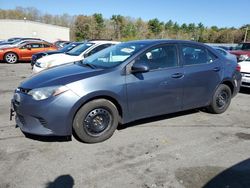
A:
(189, 149)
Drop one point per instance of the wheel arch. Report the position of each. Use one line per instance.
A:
(85, 100)
(229, 84)
(11, 52)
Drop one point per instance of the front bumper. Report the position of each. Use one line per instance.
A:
(50, 117)
(33, 60)
(245, 82)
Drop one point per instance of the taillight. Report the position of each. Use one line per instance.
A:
(238, 68)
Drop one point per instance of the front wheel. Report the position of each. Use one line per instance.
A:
(221, 100)
(96, 121)
(10, 58)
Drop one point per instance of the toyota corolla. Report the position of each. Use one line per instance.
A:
(123, 83)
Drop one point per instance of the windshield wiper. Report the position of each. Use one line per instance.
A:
(89, 65)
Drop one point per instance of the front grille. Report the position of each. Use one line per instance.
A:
(247, 75)
(245, 83)
(21, 119)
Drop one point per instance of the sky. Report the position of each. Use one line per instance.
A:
(221, 13)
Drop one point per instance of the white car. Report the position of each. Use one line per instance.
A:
(245, 72)
(76, 54)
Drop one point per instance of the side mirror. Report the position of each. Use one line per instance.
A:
(85, 55)
(139, 68)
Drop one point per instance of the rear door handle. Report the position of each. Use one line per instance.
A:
(216, 69)
(177, 75)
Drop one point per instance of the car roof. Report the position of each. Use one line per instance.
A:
(103, 41)
(219, 48)
(162, 41)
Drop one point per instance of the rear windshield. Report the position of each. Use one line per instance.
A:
(243, 46)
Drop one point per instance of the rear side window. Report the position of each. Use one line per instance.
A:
(195, 55)
(45, 45)
(160, 57)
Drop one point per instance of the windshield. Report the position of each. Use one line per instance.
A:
(113, 56)
(238, 47)
(79, 49)
(69, 47)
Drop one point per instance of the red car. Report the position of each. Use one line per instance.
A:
(242, 51)
(24, 51)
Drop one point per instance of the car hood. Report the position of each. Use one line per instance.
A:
(60, 75)
(57, 59)
(48, 52)
(245, 66)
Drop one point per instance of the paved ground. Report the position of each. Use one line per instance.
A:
(190, 149)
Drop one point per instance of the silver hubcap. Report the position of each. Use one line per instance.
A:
(11, 58)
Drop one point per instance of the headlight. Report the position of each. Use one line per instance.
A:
(46, 92)
(243, 57)
(41, 65)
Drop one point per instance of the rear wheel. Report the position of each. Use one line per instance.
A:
(221, 100)
(96, 121)
(10, 58)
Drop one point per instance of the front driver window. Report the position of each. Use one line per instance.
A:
(159, 57)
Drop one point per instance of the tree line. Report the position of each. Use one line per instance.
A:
(118, 27)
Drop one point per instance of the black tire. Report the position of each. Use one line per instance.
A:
(221, 100)
(11, 58)
(96, 121)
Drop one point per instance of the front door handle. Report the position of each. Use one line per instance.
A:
(216, 69)
(177, 75)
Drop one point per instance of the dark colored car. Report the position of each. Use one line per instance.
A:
(123, 83)
(242, 51)
(62, 50)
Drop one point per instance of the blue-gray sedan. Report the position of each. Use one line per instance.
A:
(123, 83)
